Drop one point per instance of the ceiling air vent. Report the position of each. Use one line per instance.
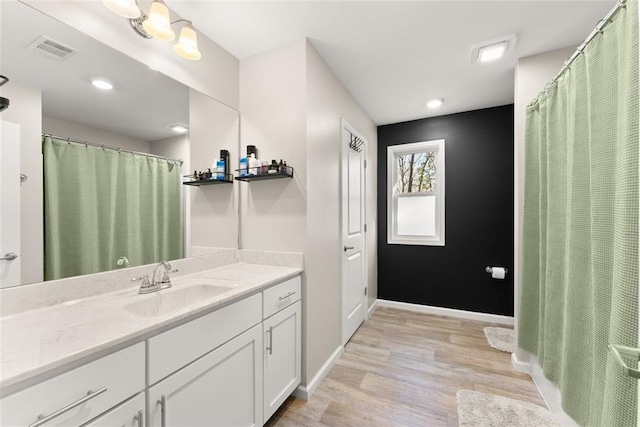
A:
(52, 49)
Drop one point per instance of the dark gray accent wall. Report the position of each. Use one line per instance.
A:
(478, 215)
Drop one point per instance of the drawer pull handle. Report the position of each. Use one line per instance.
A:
(270, 346)
(140, 418)
(42, 419)
(287, 296)
(163, 411)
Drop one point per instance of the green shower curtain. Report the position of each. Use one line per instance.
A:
(579, 289)
(100, 204)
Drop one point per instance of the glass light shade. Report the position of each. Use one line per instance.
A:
(158, 23)
(125, 8)
(187, 45)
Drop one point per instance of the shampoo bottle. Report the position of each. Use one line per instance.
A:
(220, 169)
(243, 166)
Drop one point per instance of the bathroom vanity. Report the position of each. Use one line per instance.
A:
(222, 347)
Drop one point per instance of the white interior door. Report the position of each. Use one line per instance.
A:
(354, 283)
(10, 206)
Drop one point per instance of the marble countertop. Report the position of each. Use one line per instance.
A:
(36, 342)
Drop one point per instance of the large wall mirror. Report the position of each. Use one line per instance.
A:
(91, 178)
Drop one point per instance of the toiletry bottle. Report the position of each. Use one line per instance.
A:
(251, 149)
(254, 164)
(273, 168)
(281, 168)
(220, 169)
(224, 155)
(243, 166)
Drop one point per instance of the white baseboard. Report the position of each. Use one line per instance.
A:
(451, 312)
(551, 395)
(372, 308)
(305, 392)
(520, 366)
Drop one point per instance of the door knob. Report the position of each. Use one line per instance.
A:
(9, 256)
(346, 248)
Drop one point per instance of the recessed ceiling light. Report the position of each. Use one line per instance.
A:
(102, 84)
(179, 128)
(492, 52)
(435, 103)
(494, 49)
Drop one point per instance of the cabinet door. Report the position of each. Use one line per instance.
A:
(282, 357)
(128, 414)
(221, 389)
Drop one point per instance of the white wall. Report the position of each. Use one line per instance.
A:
(531, 75)
(67, 129)
(291, 105)
(26, 110)
(216, 74)
(328, 101)
(213, 211)
(272, 104)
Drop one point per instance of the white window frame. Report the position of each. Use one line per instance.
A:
(392, 193)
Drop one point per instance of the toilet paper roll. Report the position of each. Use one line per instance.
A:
(498, 272)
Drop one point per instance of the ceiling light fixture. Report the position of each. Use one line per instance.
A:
(102, 84)
(179, 128)
(435, 103)
(158, 25)
(492, 50)
(125, 8)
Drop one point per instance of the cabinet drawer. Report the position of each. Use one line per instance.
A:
(281, 296)
(179, 346)
(120, 375)
(129, 414)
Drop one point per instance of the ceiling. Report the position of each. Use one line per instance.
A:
(142, 105)
(394, 55)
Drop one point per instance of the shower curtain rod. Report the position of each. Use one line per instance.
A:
(621, 4)
(106, 147)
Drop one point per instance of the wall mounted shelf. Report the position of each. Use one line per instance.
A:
(287, 173)
(198, 182)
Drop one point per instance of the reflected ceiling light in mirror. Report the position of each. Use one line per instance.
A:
(125, 8)
(102, 84)
(158, 23)
(187, 45)
(435, 103)
(179, 128)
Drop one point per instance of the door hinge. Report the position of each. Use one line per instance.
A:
(365, 228)
(365, 292)
(365, 163)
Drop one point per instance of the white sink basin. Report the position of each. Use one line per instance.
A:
(170, 300)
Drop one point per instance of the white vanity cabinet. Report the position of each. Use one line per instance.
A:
(282, 349)
(80, 395)
(129, 414)
(223, 388)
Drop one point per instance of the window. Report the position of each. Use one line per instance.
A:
(415, 197)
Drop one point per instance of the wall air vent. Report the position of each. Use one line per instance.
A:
(52, 49)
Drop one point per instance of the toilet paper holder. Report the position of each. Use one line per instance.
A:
(490, 270)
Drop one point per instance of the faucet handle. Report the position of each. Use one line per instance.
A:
(165, 276)
(145, 280)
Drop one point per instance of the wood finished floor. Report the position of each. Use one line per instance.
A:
(404, 369)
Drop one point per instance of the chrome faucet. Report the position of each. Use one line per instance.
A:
(146, 286)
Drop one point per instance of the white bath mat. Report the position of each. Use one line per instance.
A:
(500, 338)
(477, 409)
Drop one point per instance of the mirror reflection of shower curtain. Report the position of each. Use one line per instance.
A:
(100, 204)
(579, 289)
